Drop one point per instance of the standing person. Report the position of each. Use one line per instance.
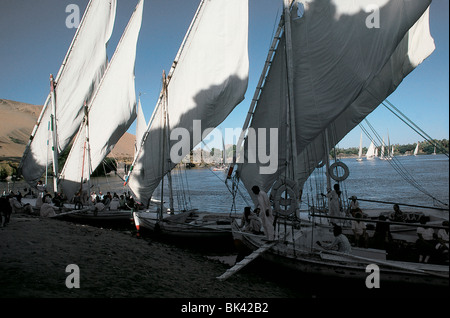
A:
(41, 188)
(442, 242)
(333, 197)
(425, 243)
(382, 235)
(93, 197)
(266, 214)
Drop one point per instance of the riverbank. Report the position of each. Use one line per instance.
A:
(34, 254)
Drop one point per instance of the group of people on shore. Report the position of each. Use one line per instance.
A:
(112, 202)
(46, 205)
(42, 204)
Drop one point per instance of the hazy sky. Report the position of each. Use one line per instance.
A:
(34, 40)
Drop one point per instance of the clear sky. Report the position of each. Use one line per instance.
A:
(34, 39)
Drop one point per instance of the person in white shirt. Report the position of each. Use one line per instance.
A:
(340, 243)
(251, 222)
(359, 231)
(265, 214)
(354, 206)
(442, 242)
(425, 242)
(334, 207)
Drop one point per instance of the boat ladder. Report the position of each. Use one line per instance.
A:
(238, 266)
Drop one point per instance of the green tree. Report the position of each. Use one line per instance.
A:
(3, 174)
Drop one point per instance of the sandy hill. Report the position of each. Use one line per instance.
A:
(16, 124)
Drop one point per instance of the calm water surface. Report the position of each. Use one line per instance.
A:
(370, 179)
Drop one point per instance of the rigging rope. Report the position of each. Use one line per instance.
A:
(397, 165)
(413, 126)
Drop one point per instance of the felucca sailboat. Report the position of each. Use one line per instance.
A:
(76, 82)
(207, 80)
(360, 149)
(113, 101)
(328, 68)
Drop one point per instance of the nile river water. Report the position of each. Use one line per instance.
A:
(370, 179)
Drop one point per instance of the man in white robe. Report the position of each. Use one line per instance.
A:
(266, 213)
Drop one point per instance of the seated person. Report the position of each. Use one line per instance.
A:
(251, 222)
(354, 206)
(397, 215)
(359, 230)
(340, 243)
(115, 204)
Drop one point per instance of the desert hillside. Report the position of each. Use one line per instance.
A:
(16, 124)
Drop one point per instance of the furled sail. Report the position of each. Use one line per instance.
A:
(209, 79)
(342, 70)
(76, 81)
(110, 114)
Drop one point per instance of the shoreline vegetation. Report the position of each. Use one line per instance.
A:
(9, 165)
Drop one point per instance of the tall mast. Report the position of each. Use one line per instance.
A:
(54, 136)
(163, 140)
(290, 77)
(87, 152)
(167, 140)
(327, 161)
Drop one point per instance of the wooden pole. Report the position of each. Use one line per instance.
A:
(54, 135)
(290, 78)
(405, 204)
(378, 221)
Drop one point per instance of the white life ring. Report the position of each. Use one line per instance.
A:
(336, 177)
(285, 186)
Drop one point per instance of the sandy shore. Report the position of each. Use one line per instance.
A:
(34, 254)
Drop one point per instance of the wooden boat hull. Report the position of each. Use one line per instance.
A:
(69, 211)
(345, 266)
(119, 215)
(400, 231)
(197, 225)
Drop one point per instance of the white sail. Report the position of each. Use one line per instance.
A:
(360, 149)
(370, 151)
(342, 71)
(416, 150)
(141, 126)
(110, 114)
(209, 79)
(76, 81)
(388, 146)
(382, 150)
